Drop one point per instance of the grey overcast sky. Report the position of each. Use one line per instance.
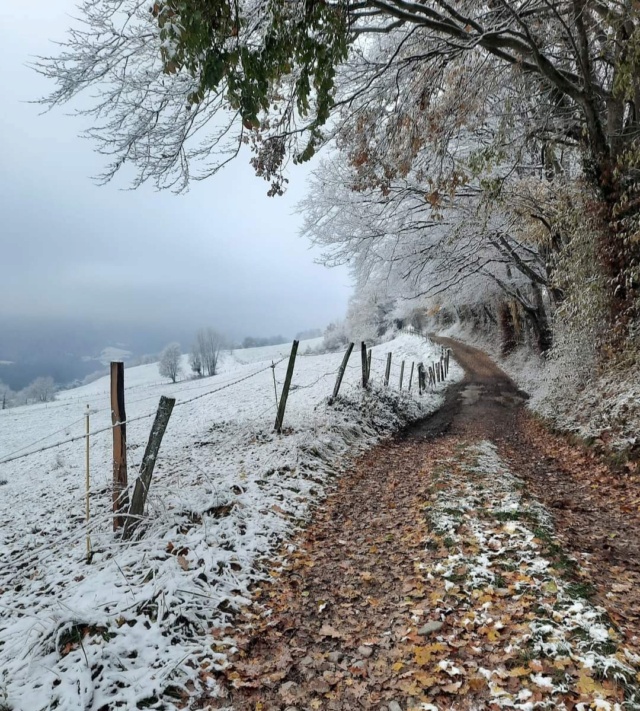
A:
(224, 254)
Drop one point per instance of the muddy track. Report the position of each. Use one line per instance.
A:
(485, 403)
(339, 626)
(594, 508)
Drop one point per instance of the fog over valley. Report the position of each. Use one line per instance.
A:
(87, 267)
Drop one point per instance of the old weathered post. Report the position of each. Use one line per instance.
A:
(141, 489)
(411, 376)
(421, 378)
(285, 388)
(387, 371)
(118, 420)
(401, 374)
(369, 365)
(341, 372)
(365, 368)
(432, 377)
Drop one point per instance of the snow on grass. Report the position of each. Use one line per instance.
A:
(136, 628)
(504, 583)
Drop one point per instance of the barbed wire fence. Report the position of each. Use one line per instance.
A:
(394, 373)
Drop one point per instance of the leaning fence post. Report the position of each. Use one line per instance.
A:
(401, 374)
(369, 365)
(118, 420)
(387, 371)
(141, 489)
(365, 368)
(341, 372)
(432, 377)
(285, 388)
(411, 376)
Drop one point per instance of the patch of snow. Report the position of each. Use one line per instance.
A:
(147, 616)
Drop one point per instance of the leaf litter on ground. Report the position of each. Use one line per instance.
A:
(430, 555)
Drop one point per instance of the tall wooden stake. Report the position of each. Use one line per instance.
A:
(411, 376)
(421, 378)
(285, 388)
(143, 482)
(369, 365)
(87, 482)
(401, 374)
(341, 372)
(118, 420)
(387, 371)
(365, 369)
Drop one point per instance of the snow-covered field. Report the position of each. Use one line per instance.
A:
(136, 628)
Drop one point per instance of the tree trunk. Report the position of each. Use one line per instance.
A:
(507, 329)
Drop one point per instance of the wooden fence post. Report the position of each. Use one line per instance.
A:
(411, 376)
(341, 372)
(365, 368)
(141, 489)
(118, 420)
(285, 388)
(421, 378)
(432, 377)
(401, 374)
(369, 365)
(387, 371)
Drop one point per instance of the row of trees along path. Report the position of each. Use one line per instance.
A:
(459, 565)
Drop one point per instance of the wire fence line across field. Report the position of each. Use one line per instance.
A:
(95, 528)
(20, 454)
(13, 457)
(42, 439)
(76, 401)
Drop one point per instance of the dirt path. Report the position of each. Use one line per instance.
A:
(432, 578)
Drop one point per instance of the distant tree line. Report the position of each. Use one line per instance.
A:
(309, 334)
(42, 389)
(253, 342)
